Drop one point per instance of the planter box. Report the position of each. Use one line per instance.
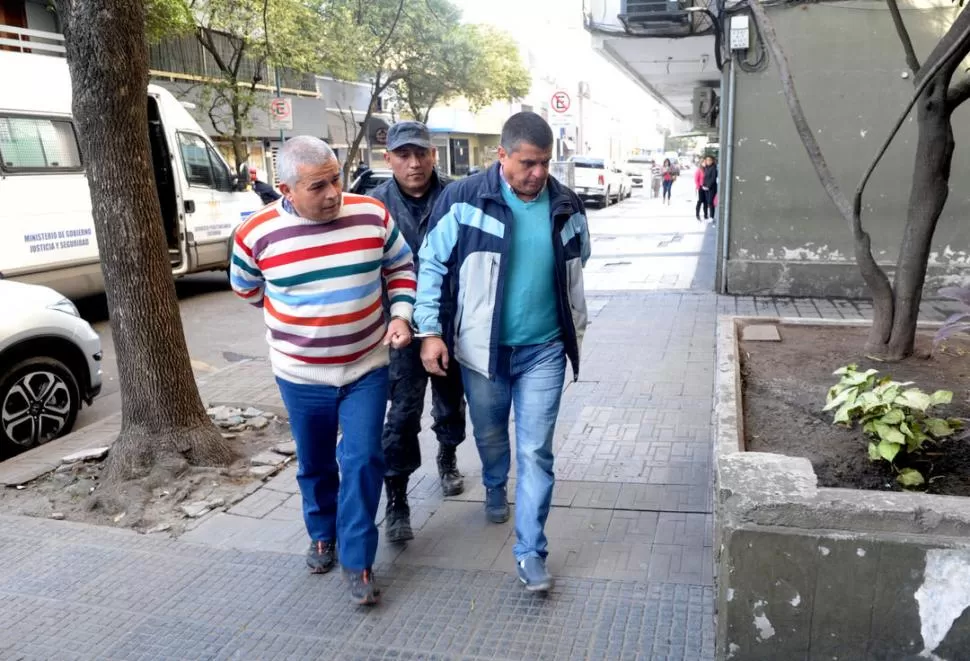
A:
(806, 572)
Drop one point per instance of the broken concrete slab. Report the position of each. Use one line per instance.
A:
(288, 448)
(91, 454)
(268, 459)
(760, 333)
(196, 509)
(262, 471)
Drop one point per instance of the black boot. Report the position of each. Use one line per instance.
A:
(397, 523)
(451, 482)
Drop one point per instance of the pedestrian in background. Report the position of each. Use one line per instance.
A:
(267, 194)
(710, 186)
(699, 187)
(409, 196)
(318, 262)
(667, 176)
(516, 240)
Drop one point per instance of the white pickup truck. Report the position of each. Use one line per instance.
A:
(598, 180)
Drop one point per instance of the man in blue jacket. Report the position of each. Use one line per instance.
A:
(515, 240)
(410, 196)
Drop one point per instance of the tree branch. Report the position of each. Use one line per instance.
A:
(390, 33)
(911, 60)
(955, 35)
(958, 94)
(874, 276)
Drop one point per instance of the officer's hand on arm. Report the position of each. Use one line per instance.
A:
(434, 356)
(398, 334)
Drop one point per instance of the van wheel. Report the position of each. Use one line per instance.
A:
(39, 401)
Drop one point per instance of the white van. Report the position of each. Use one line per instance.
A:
(46, 228)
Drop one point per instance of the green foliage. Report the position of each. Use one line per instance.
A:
(894, 416)
(167, 18)
(478, 62)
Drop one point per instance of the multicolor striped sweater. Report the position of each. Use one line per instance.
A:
(320, 286)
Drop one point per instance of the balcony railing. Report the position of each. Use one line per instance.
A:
(31, 41)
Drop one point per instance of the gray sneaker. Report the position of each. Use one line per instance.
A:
(321, 556)
(533, 574)
(363, 590)
(496, 505)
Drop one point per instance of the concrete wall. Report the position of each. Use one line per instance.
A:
(786, 236)
(810, 573)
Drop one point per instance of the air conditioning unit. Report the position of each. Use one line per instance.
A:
(652, 13)
(706, 108)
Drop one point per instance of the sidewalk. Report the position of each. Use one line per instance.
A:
(630, 531)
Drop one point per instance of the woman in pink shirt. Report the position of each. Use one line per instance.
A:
(701, 193)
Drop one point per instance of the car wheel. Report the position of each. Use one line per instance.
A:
(39, 401)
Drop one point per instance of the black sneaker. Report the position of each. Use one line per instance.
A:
(363, 590)
(451, 480)
(397, 521)
(321, 557)
(533, 574)
(496, 505)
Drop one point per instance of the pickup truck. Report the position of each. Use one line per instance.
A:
(597, 180)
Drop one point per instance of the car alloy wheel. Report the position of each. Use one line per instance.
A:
(36, 408)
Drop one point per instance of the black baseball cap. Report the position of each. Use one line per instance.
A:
(408, 133)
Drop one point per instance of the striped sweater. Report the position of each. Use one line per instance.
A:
(320, 287)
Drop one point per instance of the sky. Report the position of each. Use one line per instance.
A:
(553, 30)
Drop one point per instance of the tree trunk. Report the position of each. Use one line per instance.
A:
(163, 420)
(239, 151)
(934, 155)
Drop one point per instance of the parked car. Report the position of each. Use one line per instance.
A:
(369, 180)
(628, 184)
(639, 170)
(50, 362)
(597, 180)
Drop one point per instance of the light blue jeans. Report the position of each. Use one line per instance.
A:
(530, 378)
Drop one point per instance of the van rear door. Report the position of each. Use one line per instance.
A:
(211, 205)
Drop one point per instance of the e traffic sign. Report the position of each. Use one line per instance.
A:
(560, 102)
(281, 114)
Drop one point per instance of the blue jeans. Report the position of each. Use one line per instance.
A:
(345, 509)
(530, 378)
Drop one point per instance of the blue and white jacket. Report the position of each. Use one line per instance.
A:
(470, 235)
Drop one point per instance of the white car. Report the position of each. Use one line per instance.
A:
(597, 180)
(50, 362)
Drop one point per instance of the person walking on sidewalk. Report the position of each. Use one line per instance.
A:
(710, 186)
(318, 262)
(409, 197)
(699, 186)
(516, 240)
(667, 174)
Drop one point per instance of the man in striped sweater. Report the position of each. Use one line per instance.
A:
(317, 262)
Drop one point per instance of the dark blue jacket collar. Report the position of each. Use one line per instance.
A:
(491, 189)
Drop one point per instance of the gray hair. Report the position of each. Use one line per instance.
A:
(301, 150)
(526, 127)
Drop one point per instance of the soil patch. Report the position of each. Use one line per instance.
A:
(784, 386)
(162, 502)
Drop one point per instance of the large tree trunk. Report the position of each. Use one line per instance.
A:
(163, 420)
(934, 155)
(239, 151)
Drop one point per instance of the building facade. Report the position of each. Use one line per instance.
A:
(778, 232)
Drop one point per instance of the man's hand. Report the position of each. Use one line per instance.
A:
(434, 356)
(398, 334)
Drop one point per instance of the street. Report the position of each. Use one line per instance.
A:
(638, 245)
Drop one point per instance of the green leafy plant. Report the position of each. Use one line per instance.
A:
(894, 416)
